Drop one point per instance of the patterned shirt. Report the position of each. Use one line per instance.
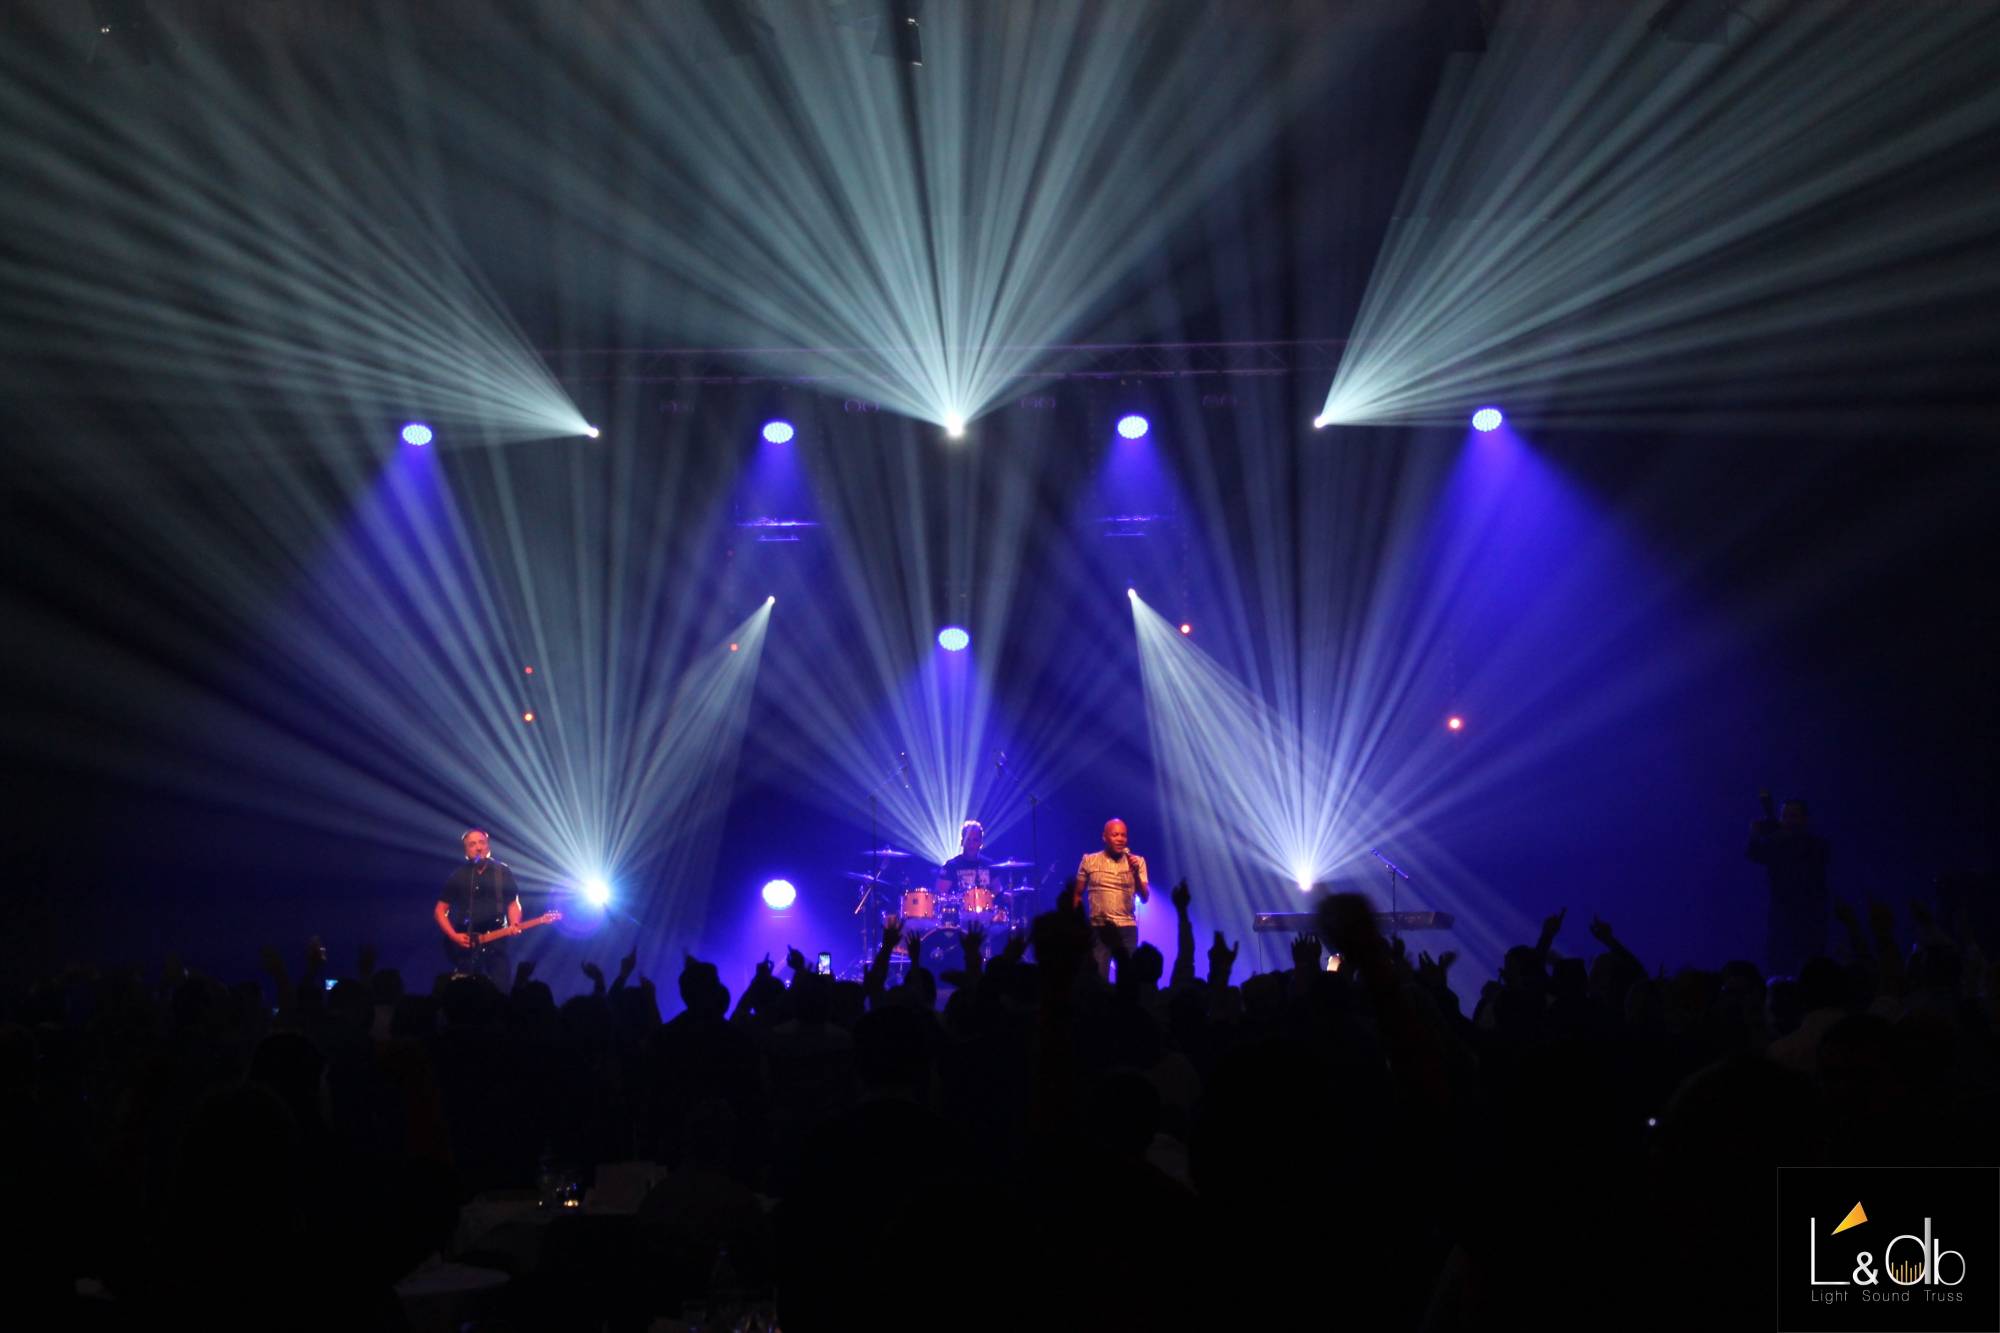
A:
(1109, 886)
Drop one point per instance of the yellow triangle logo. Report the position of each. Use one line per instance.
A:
(1855, 1217)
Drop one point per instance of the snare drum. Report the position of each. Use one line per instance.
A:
(919, 905)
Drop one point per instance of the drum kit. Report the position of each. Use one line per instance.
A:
(902, 887)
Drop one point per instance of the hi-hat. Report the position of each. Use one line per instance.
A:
(1009, 865)
(887, 851)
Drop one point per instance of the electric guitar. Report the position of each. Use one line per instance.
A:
(466, 960)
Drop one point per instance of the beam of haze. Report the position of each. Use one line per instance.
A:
(1627, 222)
(883, 724)
(267, 241)
(921, 229)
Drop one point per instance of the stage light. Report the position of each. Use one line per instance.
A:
(1486, 419)
(1322, 421)
(771, 600)
(596, 891)
(591, 431)
(953, 639)
(1133, 593)
(1454, 723)
(779, 894)
(778, 432)
(418, 434)
(1134, 427)
(1186, 628)
(732, 647)
(954, 426)
(527, 671)
(527, 717)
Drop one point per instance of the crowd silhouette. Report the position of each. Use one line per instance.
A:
(1583, 1142)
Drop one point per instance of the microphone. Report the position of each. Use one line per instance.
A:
(903, 768)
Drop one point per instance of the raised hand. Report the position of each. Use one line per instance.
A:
(795, 962)
(628, 962)
(522, 971)
(1221, 960)
(972, 946)
(1181, 897)
(1305, 952)
(1600, 930)
(596, 975)
(1551, 927)
(913, 941)
(892, 932)
(764, 968)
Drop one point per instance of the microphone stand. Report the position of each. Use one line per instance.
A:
(1395, 873)
(869, 886)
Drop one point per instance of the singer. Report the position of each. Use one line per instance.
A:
(480, 895)
(1108, 881)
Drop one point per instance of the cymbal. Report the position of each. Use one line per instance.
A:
(1010, 865)
(860, 878)
(887, 851)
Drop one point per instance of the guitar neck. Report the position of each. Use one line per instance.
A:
(507, 932)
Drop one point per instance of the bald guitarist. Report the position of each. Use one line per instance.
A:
(479, 909)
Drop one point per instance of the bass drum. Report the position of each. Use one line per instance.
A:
(942, 951)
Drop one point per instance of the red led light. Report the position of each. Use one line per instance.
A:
(527, 717)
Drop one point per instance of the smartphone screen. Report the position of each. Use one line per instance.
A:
(330, 983)
(825, 965)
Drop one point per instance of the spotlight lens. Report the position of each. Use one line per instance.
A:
(953, 639)
(954, 426)
(779, 894)
(1134, 427)
(1186, 628)
(1133, 593)
(1454, 723)
(418, 434)
(778, 432)
(597, 891)
(1322, 421)
(732, 647)
(1487, 418)
(527, 717)
(591, 431)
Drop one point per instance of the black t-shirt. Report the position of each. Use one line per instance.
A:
(477, 894)
(964, 872)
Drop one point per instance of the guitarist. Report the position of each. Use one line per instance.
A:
(479, 896)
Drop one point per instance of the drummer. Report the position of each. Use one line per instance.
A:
(969, 870)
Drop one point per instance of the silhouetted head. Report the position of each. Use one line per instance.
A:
(702, 990)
